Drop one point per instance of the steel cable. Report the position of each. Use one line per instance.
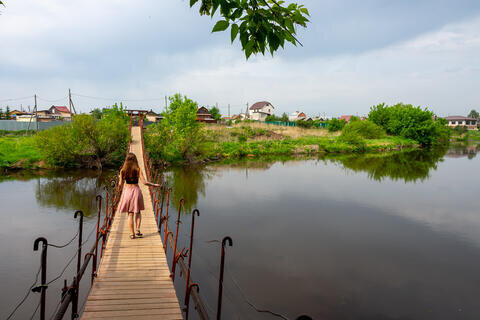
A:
(26, 296)
(63, 271)
(66, 244)
(35, 311)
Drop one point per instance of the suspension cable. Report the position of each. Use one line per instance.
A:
(26, 296)
(66, 244)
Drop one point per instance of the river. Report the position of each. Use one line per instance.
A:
(344, 237)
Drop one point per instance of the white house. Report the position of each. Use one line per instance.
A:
(297, 115)
(260, 110)
(454, 121)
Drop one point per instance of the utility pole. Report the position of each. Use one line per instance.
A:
(246, 112)
(165, 103)
(36, 111)
(71, 103)
(229, 110)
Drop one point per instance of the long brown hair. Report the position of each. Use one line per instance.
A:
(130, 169)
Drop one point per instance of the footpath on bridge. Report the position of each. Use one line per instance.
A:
(133, 279)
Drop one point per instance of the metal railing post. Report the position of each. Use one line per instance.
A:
(220, 280)
(190, 250)
(43, 287)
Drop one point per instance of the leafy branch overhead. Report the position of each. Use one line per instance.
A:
(260, 24)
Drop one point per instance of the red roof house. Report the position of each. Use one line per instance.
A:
(346, 118)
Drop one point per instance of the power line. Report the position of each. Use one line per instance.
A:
(15, 99)
(115, 99)
(50, 100)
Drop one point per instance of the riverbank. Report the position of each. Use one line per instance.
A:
(21, 152)
(221, 142)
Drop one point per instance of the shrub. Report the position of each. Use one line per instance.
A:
(411, 123)
(335, 124)
(86, 141)
(178, 136)
(304, 124)
(364, 129)
(352, 137)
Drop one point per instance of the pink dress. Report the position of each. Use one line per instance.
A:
(132, 199)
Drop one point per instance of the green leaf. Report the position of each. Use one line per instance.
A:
(192, 2)
(234, 31)
(221, 25)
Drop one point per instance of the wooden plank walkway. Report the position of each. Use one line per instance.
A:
(133, 277)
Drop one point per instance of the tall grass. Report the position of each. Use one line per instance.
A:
(17, 148)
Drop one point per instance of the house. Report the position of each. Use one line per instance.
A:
(27, 117)
(16, 113)
(153, 117)
(203, 115)
(60, 112)
(347, 118)
(297, 115)
(260, 110)
(455, 121)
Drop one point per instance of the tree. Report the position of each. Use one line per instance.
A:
(284, 117)
(215, 113)
(474, 114)
(260, 24)
(1, 113)
(7, 113)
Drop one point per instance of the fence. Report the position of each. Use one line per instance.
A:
(13, 125)
(294, 124)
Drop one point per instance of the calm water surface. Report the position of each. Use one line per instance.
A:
(370, 237)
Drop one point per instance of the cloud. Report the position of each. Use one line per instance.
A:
(352, 59)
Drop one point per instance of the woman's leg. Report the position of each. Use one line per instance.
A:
(138, 220)
(130, 223)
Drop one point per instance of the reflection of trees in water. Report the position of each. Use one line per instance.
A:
(188, 183)
(408, 166)
(72, 190)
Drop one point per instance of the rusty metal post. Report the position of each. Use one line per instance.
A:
(190, 249)
(220, 280)
(80, 230)
(187, 297)
(74, 291)
(94, 264)
(166, 219)
(174, 262)
(43, 287)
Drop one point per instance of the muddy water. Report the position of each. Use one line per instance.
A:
(348, 237)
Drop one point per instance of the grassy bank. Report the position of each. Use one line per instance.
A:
(20, 152)
(257, 139)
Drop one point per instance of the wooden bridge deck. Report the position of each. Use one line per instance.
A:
(133, 277)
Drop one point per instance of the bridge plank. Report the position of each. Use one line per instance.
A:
(133, 279)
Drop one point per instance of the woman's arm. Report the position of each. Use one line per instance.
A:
(148, 183)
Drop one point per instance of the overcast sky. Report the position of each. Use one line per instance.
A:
(356, 54)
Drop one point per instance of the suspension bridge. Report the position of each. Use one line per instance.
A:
(133, 279)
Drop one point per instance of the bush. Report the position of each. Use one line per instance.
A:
(86, 141)
(352, 137)
(411, 123)
(178, 136)
(304, 124)
(336, 125)
(364, 129)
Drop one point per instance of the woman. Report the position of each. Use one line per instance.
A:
(132, 199)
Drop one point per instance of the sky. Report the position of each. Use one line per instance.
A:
(355, 54)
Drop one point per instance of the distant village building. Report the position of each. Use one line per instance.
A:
(60, 112)
(203, 115)
(27, 117)
(347, 118)
(15, 113)
(259, 111)
(455, 121)
(297, 115)
(153, 117)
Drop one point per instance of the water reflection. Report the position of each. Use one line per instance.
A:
(460, 151)
(66, 189)
(409, 166)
